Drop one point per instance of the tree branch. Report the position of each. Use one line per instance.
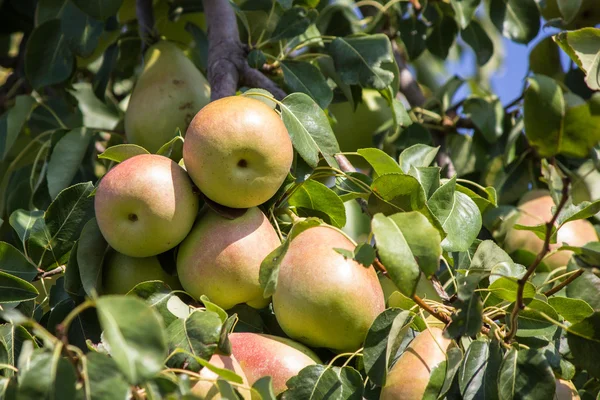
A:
(564, 283)
(227, 65)
(519, 304)
(145, 16)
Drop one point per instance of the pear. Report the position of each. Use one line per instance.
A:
(122, 273)
(535, 208)
(168, 93)
(145, 205)
(565, 390)
(238, 151)
(221, 258)
(409, 377)
(266, 355)
(207, 388)
(323, 299)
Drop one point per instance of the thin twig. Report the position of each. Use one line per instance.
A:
(564, 283)
(519, 304)
(48, 274)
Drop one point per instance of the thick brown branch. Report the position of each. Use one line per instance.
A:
(227, 66)
(519, 304)
(145, 16)
(564, 283)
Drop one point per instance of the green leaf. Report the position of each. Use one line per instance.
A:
(13, 262)
(413, 33)
(14, 336)
(12, 121)
(47, 376)
(96, 113)
(15, 290)
(309, 129)
(306, 78)
(173, 149)
(314, 199)
(585, 287)
(458, 215)
(519, 370)
(91, 249)
(48, 58)
(573, 310)
(465, 11)
(582, 46)
(377, 351)
(102, 78)
(518, 20)
(122, 152)
(364, 254)
(423, 239)
(381, 162)
(264, 387)
(319, 382)
(442, 37)
(569, 8)
(292, 23)
(358, 60)
(488, 117)
(100, 9)
(105, 380)
(477, 38)
(454, 358)
(396, 192)
(198, 335)
(135, 335)
(583, 210)
(428, 177)
(53, 237)
(66, 159)
(160, 297)
(418, 155)
(544, 59)
(436, 381)
(395, 254)
(478, 373)
(506, 289)
(467, 320)
(544, 109)
(532, 323)
(581, 131)
(584, 342)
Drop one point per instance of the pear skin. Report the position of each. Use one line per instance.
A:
(565, 390)
(238, 151)
(221, 258)
(266, 355)
(168, 93)
(145, 205)
(207, 389)
(323, 299)
(409, 377)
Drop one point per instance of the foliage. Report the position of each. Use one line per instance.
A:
(438, 189)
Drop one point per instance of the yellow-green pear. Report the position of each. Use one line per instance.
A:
(409, 377)
(221, 258)
(267, 355)
(207, 388)
(168, 93)
(322, 298)
(145, 205)
(121, 273)
(238, 151)
(535, 208)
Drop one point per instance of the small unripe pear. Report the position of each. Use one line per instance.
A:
(145, 205)
(266, 355)
(323, 299)
(409, 377)
(221, 258)
(238, 151)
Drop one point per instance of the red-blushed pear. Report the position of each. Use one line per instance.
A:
(121, 273)
(535, 208)
(207, 388)
(408, 378)
(221, 258)
(323, 299)
(266, 355)
(145, 205)
(167, 95)
(565, 390)
(238, 151)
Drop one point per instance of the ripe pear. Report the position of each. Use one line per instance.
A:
(238, 151)
(536, 208)
(221, 258)
(207, 388)
(122, 273)
(145, 205)
(408, 378)
(565, 390)
(266, 355)
(323, 299)
(168, 93)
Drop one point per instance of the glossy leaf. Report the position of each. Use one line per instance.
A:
(100, 9)
(381, 162)
(306, 78)
(317, 382)
(487, 115)
(14, 289)
(584, 342)
(519, 369)
(13, 262)
(476, 37)
(477, 377)
(105, 380)
(419, 155)
(518, 20)
(12, 121)
(313, 198)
